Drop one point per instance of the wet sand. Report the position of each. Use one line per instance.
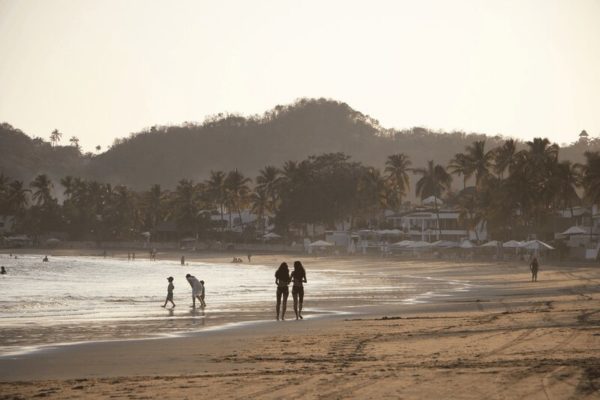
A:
(504, 338)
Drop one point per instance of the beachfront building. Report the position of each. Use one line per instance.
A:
(426, 224)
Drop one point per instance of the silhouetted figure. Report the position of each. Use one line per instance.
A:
(182, 260)
(282, 280)
(197, 290)
(2, 270)
(169, 292)
(298, 278)
(45, 259)
(133, 256)
(128, 256)
(202, 291)
(249, 257)
(534, 266)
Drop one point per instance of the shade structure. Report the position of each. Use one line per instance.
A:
(467, 244)
(320, 243)
(512, 244)
(271, 235)
(491, 243)
(419, 245)
(403, 243)
(575, 230)
(445, 244)
(145, 234)
(537, 245)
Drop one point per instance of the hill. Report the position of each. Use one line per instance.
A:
(166, 154)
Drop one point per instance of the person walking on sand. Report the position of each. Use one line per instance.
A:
(197, 289)
(169, 292)
(3, 271)
(282, 280)
(182, 260)
(298, 278)
(534, 266)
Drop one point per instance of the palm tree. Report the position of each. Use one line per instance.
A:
(16, 197)
(480, 161)
(98, 148)
(397, 167)
(566, 178)
(504, 157)
(237, 192)
(185, 204)
(43, 186)
(433, 182)
(216, 190)
(153, 204)
(55, 136)
(259, 202)
(68, 183)
(460, 165)
(74, 141)
(591, 176)
(269, 183)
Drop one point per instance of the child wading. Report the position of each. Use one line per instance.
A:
(169, 292)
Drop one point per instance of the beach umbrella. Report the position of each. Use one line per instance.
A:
(467, 244)
(575, 230)
(537, 245)
(272, 235)
(445, 244)
(512, 244)
(403, 243)
(145, 234)
(320, 243)
(419, 245)
(491, 243)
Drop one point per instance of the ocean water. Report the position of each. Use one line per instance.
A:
(70, 299)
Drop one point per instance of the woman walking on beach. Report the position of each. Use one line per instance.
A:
(534, 266)
(282, 280)
(298, 278)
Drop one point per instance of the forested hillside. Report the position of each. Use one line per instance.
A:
(166, 154)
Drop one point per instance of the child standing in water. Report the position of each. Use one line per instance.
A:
(169, 292)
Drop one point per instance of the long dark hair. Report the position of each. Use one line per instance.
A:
(283, 272)
(300, 270)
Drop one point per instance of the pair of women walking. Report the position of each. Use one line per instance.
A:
(282, 280)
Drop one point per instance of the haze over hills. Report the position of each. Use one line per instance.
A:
(166, 154)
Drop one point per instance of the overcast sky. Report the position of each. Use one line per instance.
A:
(102, 69)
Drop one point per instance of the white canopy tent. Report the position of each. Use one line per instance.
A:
(537, 245)
(321, 243)
(491, 243)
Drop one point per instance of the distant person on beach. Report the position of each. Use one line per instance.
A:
(45, 259)
(197, 290)
(169, 292)
(249, 257)
(2, 271)
(298, 278)
(182, 260)
(534, 266)
(133, 256)
(282, 280)
(128, 256)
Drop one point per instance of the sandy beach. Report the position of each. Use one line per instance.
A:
(503, 338)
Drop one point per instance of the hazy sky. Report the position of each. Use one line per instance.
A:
(102, 69)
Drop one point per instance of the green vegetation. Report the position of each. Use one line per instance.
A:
(514, 191)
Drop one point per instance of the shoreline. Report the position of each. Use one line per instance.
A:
(515, 338)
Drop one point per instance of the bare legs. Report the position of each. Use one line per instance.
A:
(166, 301)
(298, 296)
(282, 294)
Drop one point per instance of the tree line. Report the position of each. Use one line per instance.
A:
(516, 192)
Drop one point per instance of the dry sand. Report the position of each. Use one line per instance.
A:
(505, 339)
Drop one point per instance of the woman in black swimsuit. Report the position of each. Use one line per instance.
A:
(282, 280)
(298, 278)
